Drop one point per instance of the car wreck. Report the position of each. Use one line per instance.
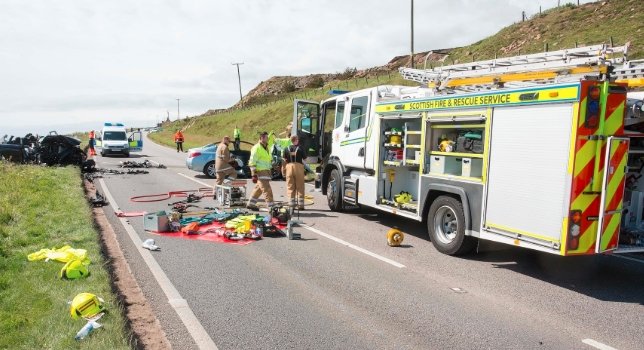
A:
(52, 149)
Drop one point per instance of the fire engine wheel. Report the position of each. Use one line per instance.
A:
(334, 192)
(446, 226)
(209, 170)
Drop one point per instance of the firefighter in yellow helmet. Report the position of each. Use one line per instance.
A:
(260, 164)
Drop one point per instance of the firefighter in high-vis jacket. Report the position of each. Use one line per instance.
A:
(294, 156)
(223, 165)
(237, 137)
(260, 164)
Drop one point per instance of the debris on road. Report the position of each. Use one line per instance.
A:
(98, 200)
(150, 244)
(144, 164)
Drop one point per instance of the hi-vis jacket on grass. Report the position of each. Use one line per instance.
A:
(529, 151)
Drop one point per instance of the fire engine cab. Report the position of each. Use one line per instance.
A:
(528, 150)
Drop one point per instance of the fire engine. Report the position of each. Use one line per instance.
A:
(527, 150)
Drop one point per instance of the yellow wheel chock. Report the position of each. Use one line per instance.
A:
(395, 237)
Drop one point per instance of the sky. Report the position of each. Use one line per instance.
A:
(70, 65)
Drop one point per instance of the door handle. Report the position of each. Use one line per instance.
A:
(361, 152)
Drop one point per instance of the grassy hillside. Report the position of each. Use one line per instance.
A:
(561, 27)
(272, 115)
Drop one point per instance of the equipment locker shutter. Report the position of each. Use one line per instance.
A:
(528, 185)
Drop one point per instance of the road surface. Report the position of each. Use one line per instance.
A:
(343, 287)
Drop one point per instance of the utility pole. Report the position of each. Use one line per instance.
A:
(178, 115)
(411, 58)
(241, 100)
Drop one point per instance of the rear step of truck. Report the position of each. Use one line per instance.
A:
(350, 193)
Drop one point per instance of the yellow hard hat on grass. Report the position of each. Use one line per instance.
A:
(86, 305)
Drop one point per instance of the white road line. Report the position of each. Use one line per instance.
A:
(323, 234)
(597, 344)
(627, 258)
(195, 180)
(352, 246)
(175, 300)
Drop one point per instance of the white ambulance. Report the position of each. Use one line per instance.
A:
(114, 139)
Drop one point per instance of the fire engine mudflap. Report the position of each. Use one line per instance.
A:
(543, 165)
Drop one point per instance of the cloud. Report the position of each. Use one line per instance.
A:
(85, 60)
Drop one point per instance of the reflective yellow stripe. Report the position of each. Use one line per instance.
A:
(584, 156)
(614, 122)
(583, 201)
(523, 233)
(588, 238)
(613, 184)
(610, 229)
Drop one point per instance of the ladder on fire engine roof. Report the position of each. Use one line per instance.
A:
(527, 70)
(631, 73)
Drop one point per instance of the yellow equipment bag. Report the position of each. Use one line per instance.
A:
(403, 197)
(74, 269)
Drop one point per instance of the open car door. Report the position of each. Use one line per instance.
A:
(306, 119)
(135, 141)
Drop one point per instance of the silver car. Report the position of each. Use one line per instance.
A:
(203, 159)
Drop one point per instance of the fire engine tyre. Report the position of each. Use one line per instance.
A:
(334, 192)
(446, 227)
(209, 170)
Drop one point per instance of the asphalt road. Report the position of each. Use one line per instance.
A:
(342, 287)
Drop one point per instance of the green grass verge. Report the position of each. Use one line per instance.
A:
(45, 207)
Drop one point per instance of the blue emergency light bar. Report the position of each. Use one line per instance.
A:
(113, 124)
(338, 92)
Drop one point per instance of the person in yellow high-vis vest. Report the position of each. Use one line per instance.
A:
(260, 164)
(294, 156)
(237, 137)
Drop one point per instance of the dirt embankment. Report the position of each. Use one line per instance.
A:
(285, 84)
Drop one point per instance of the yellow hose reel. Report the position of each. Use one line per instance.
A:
(395, 237)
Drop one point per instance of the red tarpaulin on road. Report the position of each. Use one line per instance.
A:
(205, 234)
